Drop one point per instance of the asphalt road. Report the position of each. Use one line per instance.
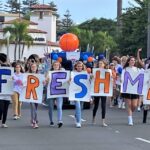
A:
(117, 136)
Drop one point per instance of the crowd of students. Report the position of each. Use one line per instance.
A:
(122, 100)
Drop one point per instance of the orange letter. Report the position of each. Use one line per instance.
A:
(148, 94)
(105, 81)
(31, 87)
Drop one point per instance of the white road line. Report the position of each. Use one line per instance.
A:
(143, 140)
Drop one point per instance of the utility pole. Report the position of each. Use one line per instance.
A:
(19, 9)
(119, 13)
(148, 32)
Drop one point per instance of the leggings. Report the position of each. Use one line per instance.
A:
(145, 115)
(3, 110)
(103, 106)
(34, 108)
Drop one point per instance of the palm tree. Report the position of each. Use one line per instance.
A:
(19, 35)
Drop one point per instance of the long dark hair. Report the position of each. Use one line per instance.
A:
(30, 70)
(127, 62)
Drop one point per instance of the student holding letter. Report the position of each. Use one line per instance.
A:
(131, 99)
(102, 65)
(145, 66)
(34, 106)
(56, 66)
(4, 105)
(17, 88)
(78, 67)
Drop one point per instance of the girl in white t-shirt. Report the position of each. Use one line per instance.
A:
(17, 89)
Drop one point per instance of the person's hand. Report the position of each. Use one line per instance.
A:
(69, 81)
(44, 82)
(140, 49)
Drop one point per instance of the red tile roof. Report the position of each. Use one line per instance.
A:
(43, 6)
(52, 43)
(20, 20)
(36, 31)
(31, 31)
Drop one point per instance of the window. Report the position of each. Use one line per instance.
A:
(41, 15)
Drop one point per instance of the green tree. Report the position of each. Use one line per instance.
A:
(134, 29)
(1, 6)
(102, 24)
(26, 7)
(29, 3)
(85, 37)
(52, 4)
(102, 41)
(64, 24)
(19, 35)
(67, 22)
(12, 6)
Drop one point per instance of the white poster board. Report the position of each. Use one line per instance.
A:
(59, 84)
(33, 88)
(102, 82)
(79, 88)
(6, 82)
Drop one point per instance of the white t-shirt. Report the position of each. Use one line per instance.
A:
(5, 97)
(18, 82)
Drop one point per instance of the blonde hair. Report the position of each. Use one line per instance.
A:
(79, 63)
(55, 63)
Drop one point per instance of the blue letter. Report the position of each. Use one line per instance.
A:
(3, 72)
(84, 88)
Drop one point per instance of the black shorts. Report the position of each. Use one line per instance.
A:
(129, 96)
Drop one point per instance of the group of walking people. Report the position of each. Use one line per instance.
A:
(117, 64)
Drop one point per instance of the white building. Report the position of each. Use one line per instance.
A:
(42, 28)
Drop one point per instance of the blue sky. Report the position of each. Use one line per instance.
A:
(82, 10)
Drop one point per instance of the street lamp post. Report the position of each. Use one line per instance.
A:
(7, 36)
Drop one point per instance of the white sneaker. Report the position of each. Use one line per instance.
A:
(104, 125)
(123, 105)
(35, 126)
(4, 126)
(78, 125)
(119, 102)
(15, 117)
(130, 121)
(138, 109)
(119, 105)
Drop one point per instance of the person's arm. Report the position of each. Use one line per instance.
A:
(139, 59)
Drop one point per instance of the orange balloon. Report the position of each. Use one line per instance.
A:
(59, 59)
(90, 59)
(88, 70)
(69, 42)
